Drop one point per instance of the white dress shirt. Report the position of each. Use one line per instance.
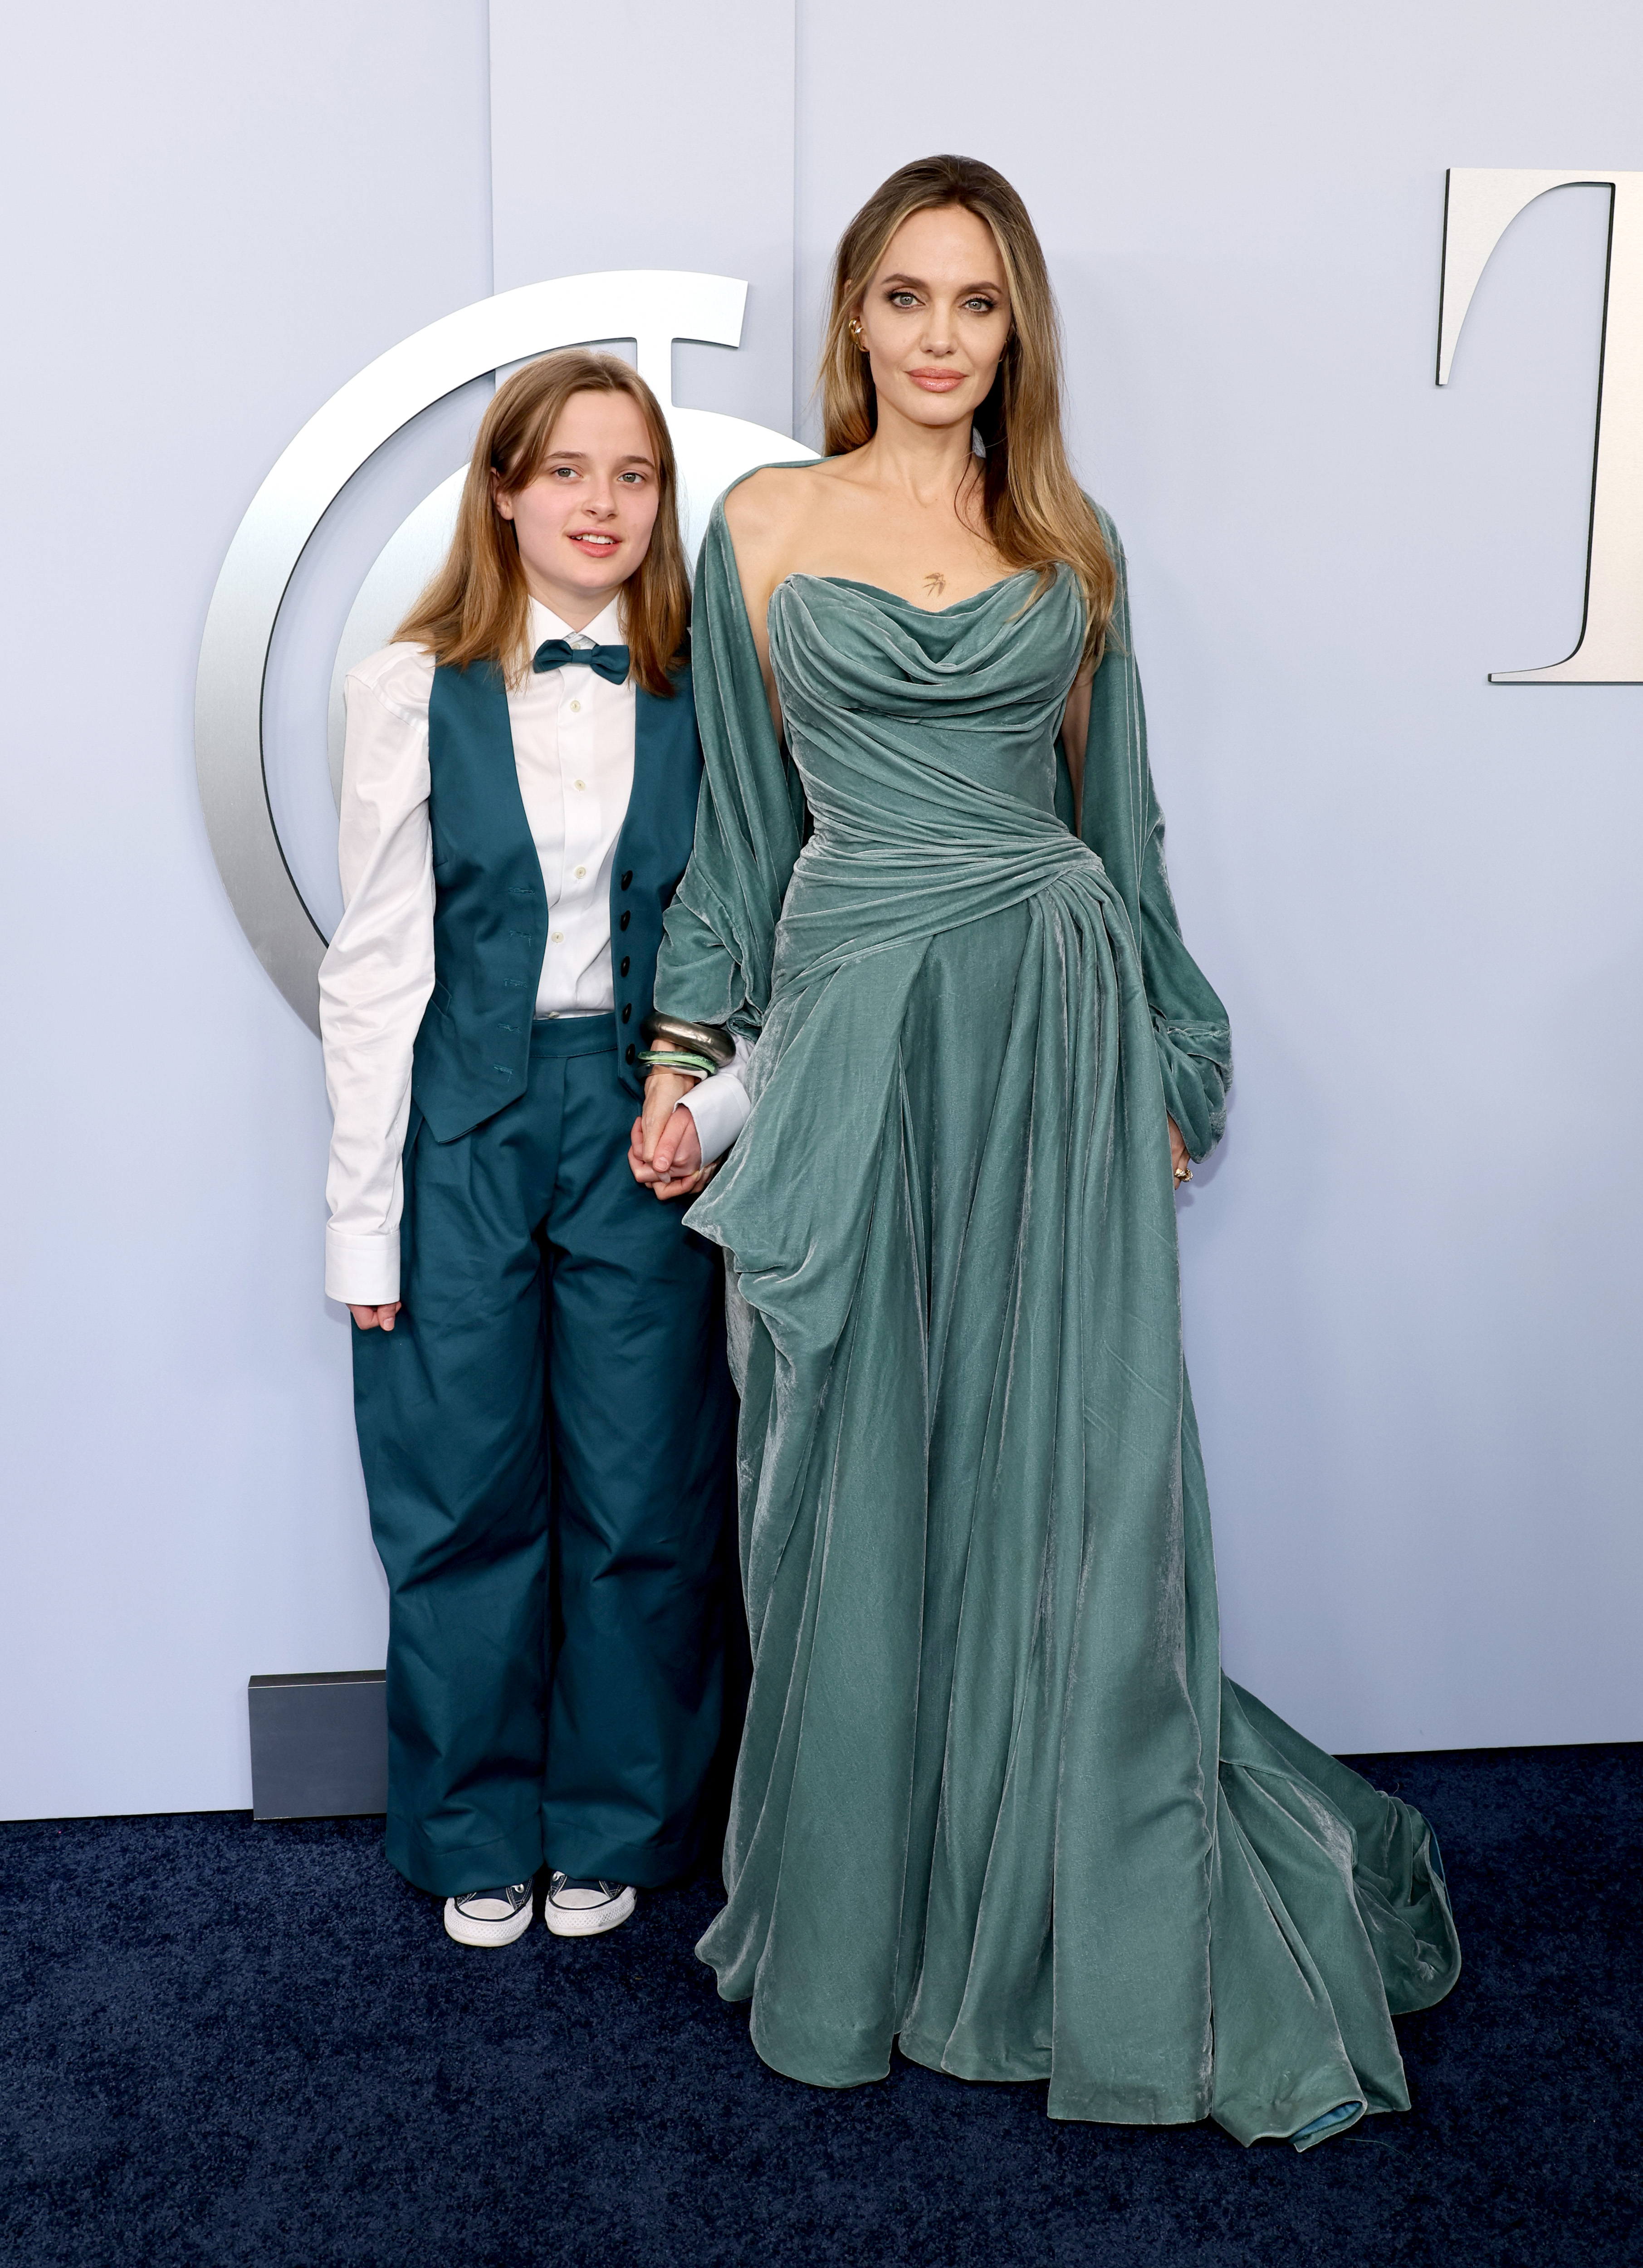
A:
(573, 747)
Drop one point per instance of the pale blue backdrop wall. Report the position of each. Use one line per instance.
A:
(1412, 1277)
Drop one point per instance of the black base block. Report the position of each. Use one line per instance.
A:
(319, 1745)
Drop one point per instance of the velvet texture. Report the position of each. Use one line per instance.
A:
(995, 1796)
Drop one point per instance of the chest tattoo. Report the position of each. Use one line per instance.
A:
(935, 585)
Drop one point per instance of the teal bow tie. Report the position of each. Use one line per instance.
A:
(610, 662)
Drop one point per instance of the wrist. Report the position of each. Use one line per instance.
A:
(711, 1044)
(685, 1061)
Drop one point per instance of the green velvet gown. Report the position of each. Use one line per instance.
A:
(996, 1800)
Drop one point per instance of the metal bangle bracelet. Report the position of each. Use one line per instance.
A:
(710, 1039)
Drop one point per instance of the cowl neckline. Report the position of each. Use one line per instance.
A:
(989, 650)
(894, 598)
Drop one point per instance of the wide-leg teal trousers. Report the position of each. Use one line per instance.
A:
(546, 1437)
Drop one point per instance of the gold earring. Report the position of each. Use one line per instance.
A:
(855, 332)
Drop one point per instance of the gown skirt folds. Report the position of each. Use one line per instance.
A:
(996, 1799)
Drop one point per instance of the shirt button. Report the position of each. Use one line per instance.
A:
(581, 787)
(576, 705)
(581, 873)
(558, 937)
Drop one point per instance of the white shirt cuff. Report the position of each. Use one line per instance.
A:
(720, 1107)
(362, 1271)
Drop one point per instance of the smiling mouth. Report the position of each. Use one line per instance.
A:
(589, 540)
(937, 381)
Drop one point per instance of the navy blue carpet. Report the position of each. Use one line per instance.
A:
(226, 2043)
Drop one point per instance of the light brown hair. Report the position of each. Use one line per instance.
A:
(477, 607)
(1037, 514)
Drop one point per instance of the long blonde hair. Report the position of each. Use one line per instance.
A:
(477, 607)
(1037, 514)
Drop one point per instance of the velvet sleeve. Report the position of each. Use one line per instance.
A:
(1123, 824)
(718, 938)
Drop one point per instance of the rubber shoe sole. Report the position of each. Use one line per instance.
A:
(588, 1921)
(468, 1930)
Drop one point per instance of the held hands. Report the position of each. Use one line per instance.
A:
(666, 1153)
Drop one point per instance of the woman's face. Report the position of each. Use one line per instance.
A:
(584, 524)
(936, 316)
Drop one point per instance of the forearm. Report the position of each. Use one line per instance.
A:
(719, 1105)
(369, 1036)
(701, 973)
(374, 986)
(1189, 1025)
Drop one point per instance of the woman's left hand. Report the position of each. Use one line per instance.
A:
(664, 1150)
(1180, 1161)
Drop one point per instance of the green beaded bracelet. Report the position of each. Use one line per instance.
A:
(674, 1059)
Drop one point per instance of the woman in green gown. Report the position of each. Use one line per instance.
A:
(996, 1800)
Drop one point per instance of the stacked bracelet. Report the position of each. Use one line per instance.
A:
(674, 1036)
(675, 1059)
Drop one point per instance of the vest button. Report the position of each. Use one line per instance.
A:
(627, 1014)
(627, 877)
(623, 969)
(631, 1051)
(626, 919)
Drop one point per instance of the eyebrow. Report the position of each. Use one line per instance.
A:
(579, 457)
(918, 283)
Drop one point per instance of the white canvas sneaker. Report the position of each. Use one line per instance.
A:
(575, 1908)
(489, 1917)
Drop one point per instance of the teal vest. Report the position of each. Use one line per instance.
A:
(490, 909)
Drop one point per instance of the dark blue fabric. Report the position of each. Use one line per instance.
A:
(546, 1438)
(491, 910)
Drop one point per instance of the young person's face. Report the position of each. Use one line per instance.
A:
(936, 317)
(584, 524)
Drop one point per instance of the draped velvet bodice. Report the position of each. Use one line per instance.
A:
(908, 725)
(925, 745)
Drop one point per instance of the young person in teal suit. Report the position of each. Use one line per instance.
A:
(537, 1340)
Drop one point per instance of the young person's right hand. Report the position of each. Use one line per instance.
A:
(664, 1155)
(370, 1318)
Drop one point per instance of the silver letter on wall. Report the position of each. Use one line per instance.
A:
(1482, 204)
